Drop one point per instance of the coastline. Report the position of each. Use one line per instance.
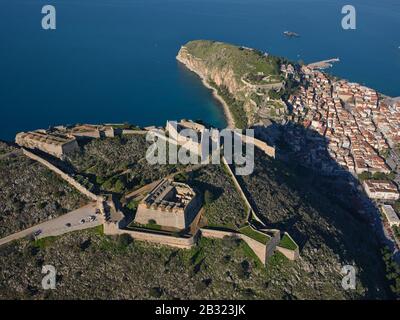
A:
(227, 113)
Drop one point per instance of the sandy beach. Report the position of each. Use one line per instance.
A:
(228, 115)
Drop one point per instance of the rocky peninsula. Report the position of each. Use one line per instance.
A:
(248, 82)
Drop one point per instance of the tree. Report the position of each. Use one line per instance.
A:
(364, 176)
(119, 185)
(392, 272)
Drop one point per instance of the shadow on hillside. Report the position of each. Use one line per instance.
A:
(333, 192)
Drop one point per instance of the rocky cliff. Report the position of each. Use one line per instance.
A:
(243, 78)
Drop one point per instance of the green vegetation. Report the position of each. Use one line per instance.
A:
(117, 244)
(215, 269)
(241, 60)
(376, 176)
(396, 231)
(238, 65)
(124, 240)
(275, 95)
(99, 230)
(235, 106)
(132, 205)
(392, 272)
(254, 234)
(396, 206)
(277, 260)
(385, 153)
(118, 165)
(44, 242)
(182, 177)
(223, 206)
(251, 255)
(152, 225)
(287, 243)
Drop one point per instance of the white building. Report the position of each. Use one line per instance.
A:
(381, 190)
(391, 215)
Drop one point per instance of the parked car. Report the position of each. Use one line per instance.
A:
(68, 225)
(92, 218)
(37, 233)
(98, 211)
(82, 221)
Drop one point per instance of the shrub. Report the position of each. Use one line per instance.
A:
(124, 240)
(156, 292)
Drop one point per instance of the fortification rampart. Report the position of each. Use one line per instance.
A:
(240, 190)
(181, 243)
(262, 251)
(62, 174)
(290, 254)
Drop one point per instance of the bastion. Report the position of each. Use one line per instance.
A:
(170, 204)
(57, 145)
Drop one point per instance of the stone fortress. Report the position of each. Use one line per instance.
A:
(174, 130)
(170, 212)
(54, 144)
(61, 141)
(170, 204)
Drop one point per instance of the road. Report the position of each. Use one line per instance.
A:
(58, 226)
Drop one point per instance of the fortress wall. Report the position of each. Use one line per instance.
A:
(57, 150)
(70, 147)
(273, 243)
(62, 174)
(87, 134)
(238, 186)
(181, 243)
(269, 151)
(181, 140)
(130, 132)
(218, 234)
(290, 254)
(258, 248)
(262, 145)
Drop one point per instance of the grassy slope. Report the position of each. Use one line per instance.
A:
(325, 233)
(92, 266)
(242, 61)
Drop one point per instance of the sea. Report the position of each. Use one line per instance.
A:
(113, 61)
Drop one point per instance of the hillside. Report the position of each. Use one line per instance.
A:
(329, 237)
(248, 80)
(30, 193)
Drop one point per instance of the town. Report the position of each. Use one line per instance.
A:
(356, 131)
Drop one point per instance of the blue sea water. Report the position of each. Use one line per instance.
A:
(114, 60)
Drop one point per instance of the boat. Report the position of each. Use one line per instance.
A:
(291, 34)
